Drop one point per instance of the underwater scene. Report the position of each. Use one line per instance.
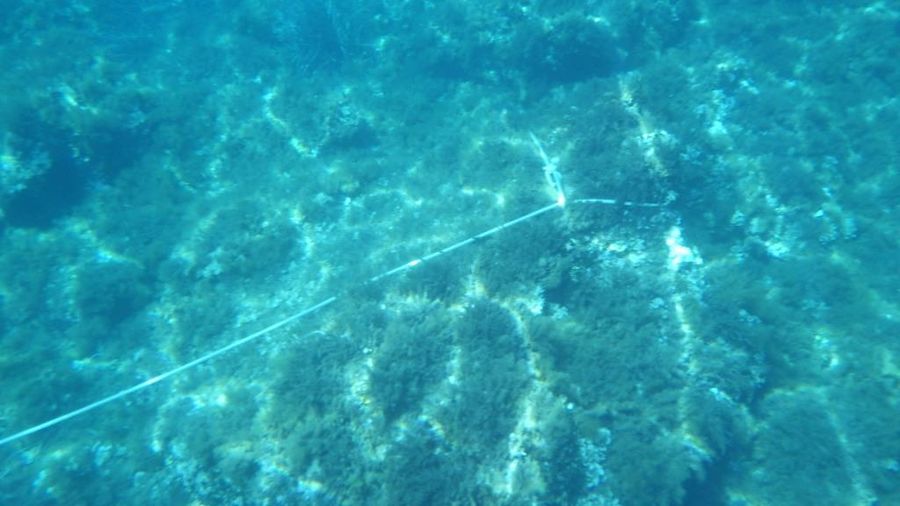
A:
(450, 252)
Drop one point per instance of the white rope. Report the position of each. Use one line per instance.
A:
(259, 333)
(553, 179)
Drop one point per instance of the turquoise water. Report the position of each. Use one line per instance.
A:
(709, 317)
